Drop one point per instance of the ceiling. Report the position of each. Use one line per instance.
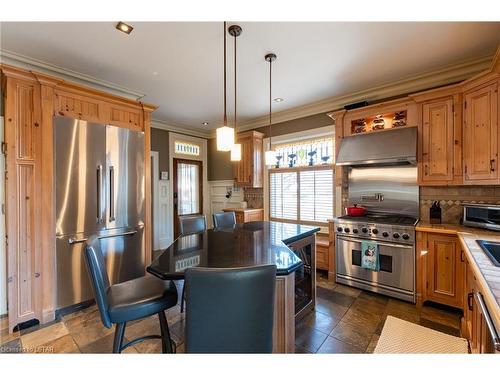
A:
(178, 65)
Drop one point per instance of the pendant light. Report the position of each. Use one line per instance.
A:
(225, 134)
(270, 155)
(235, 31)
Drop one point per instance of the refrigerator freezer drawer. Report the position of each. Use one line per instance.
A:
(124, 256)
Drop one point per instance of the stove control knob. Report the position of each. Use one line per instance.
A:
(375, 231)
(347, 230)
(339, 229)
(395, 235)
(364, 230)
(385, 234)
(405, 236)
(354, 230)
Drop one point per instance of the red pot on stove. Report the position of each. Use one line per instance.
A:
(355, 210)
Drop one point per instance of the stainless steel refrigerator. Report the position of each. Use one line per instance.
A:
(99, 191)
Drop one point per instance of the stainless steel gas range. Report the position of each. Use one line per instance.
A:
(382, 177)
(395, 237)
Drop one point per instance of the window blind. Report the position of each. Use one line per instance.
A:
(316, 195)
(283, 190)
(302, 196)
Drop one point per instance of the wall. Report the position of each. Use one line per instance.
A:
(452, 197)
(159, 142)
(220, 166)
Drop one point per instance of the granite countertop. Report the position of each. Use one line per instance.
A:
(486, 272)
(248, 244)
(237, 209)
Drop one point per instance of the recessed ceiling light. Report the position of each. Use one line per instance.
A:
(204, 123)
(278, 100)
(123, 27)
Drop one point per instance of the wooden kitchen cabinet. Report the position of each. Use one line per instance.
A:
(30, 101)
(443, 275)
(245, 215)
(437, 141)
(249, 171)
(481, 134)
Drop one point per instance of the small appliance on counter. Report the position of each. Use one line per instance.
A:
(485, 216)
(435, 213)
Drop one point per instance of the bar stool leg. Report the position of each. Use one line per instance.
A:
(166, 341)
(119, 334)
(182, 296)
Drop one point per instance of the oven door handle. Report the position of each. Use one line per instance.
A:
(377, 242)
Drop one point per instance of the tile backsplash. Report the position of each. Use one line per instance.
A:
(452, 197)
(254, 197)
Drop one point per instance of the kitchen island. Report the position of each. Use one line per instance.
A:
(288, 246)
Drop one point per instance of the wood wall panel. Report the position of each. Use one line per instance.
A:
(78, 106)
(25, 121)
(284, 315)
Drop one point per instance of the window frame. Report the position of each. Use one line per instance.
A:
(297, 170)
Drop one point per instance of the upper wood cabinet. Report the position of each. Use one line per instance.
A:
(443, 269)
(437, 141)
(481, 134)
(249, 171)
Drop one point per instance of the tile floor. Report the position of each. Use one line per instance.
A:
(346, 320)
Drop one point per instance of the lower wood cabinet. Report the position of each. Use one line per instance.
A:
(247, 215)
(474, 326)
(441, 269)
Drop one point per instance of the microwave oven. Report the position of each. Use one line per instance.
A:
(485, 216)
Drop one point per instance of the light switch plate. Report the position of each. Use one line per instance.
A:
(164, 176)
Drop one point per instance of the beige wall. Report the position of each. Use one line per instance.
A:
(220, 166)
(159, 142)
(219, 163)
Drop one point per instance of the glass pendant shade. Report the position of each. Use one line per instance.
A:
(236, 152)
(270, 157)
(225, 138)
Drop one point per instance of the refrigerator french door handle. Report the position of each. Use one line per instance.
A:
(111, 193)
(99, 194)
(73, 240)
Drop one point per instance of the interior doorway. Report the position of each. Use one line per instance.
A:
(188, 189)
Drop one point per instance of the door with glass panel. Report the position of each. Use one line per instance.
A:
(188, 198)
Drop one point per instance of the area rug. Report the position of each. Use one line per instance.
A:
(402, 337)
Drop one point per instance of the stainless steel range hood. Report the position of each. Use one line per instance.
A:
(398, 146)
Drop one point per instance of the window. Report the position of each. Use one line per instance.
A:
(303, 195)
(186, 148)
(306, 153)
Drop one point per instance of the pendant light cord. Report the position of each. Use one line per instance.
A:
(235, 83)
(225, 107)
(270, 103)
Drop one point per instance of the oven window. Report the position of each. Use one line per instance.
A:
(385, 261)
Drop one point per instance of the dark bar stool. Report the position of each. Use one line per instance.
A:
(191, 224)
(224, 219)
(230, 310)
(130, 300)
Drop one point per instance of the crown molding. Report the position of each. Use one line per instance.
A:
(29, 63)
(447, 75)
(181, 129)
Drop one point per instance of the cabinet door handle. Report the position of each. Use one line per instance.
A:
(492, 165)
(470, 296)
(462, 258)
(426, 169)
